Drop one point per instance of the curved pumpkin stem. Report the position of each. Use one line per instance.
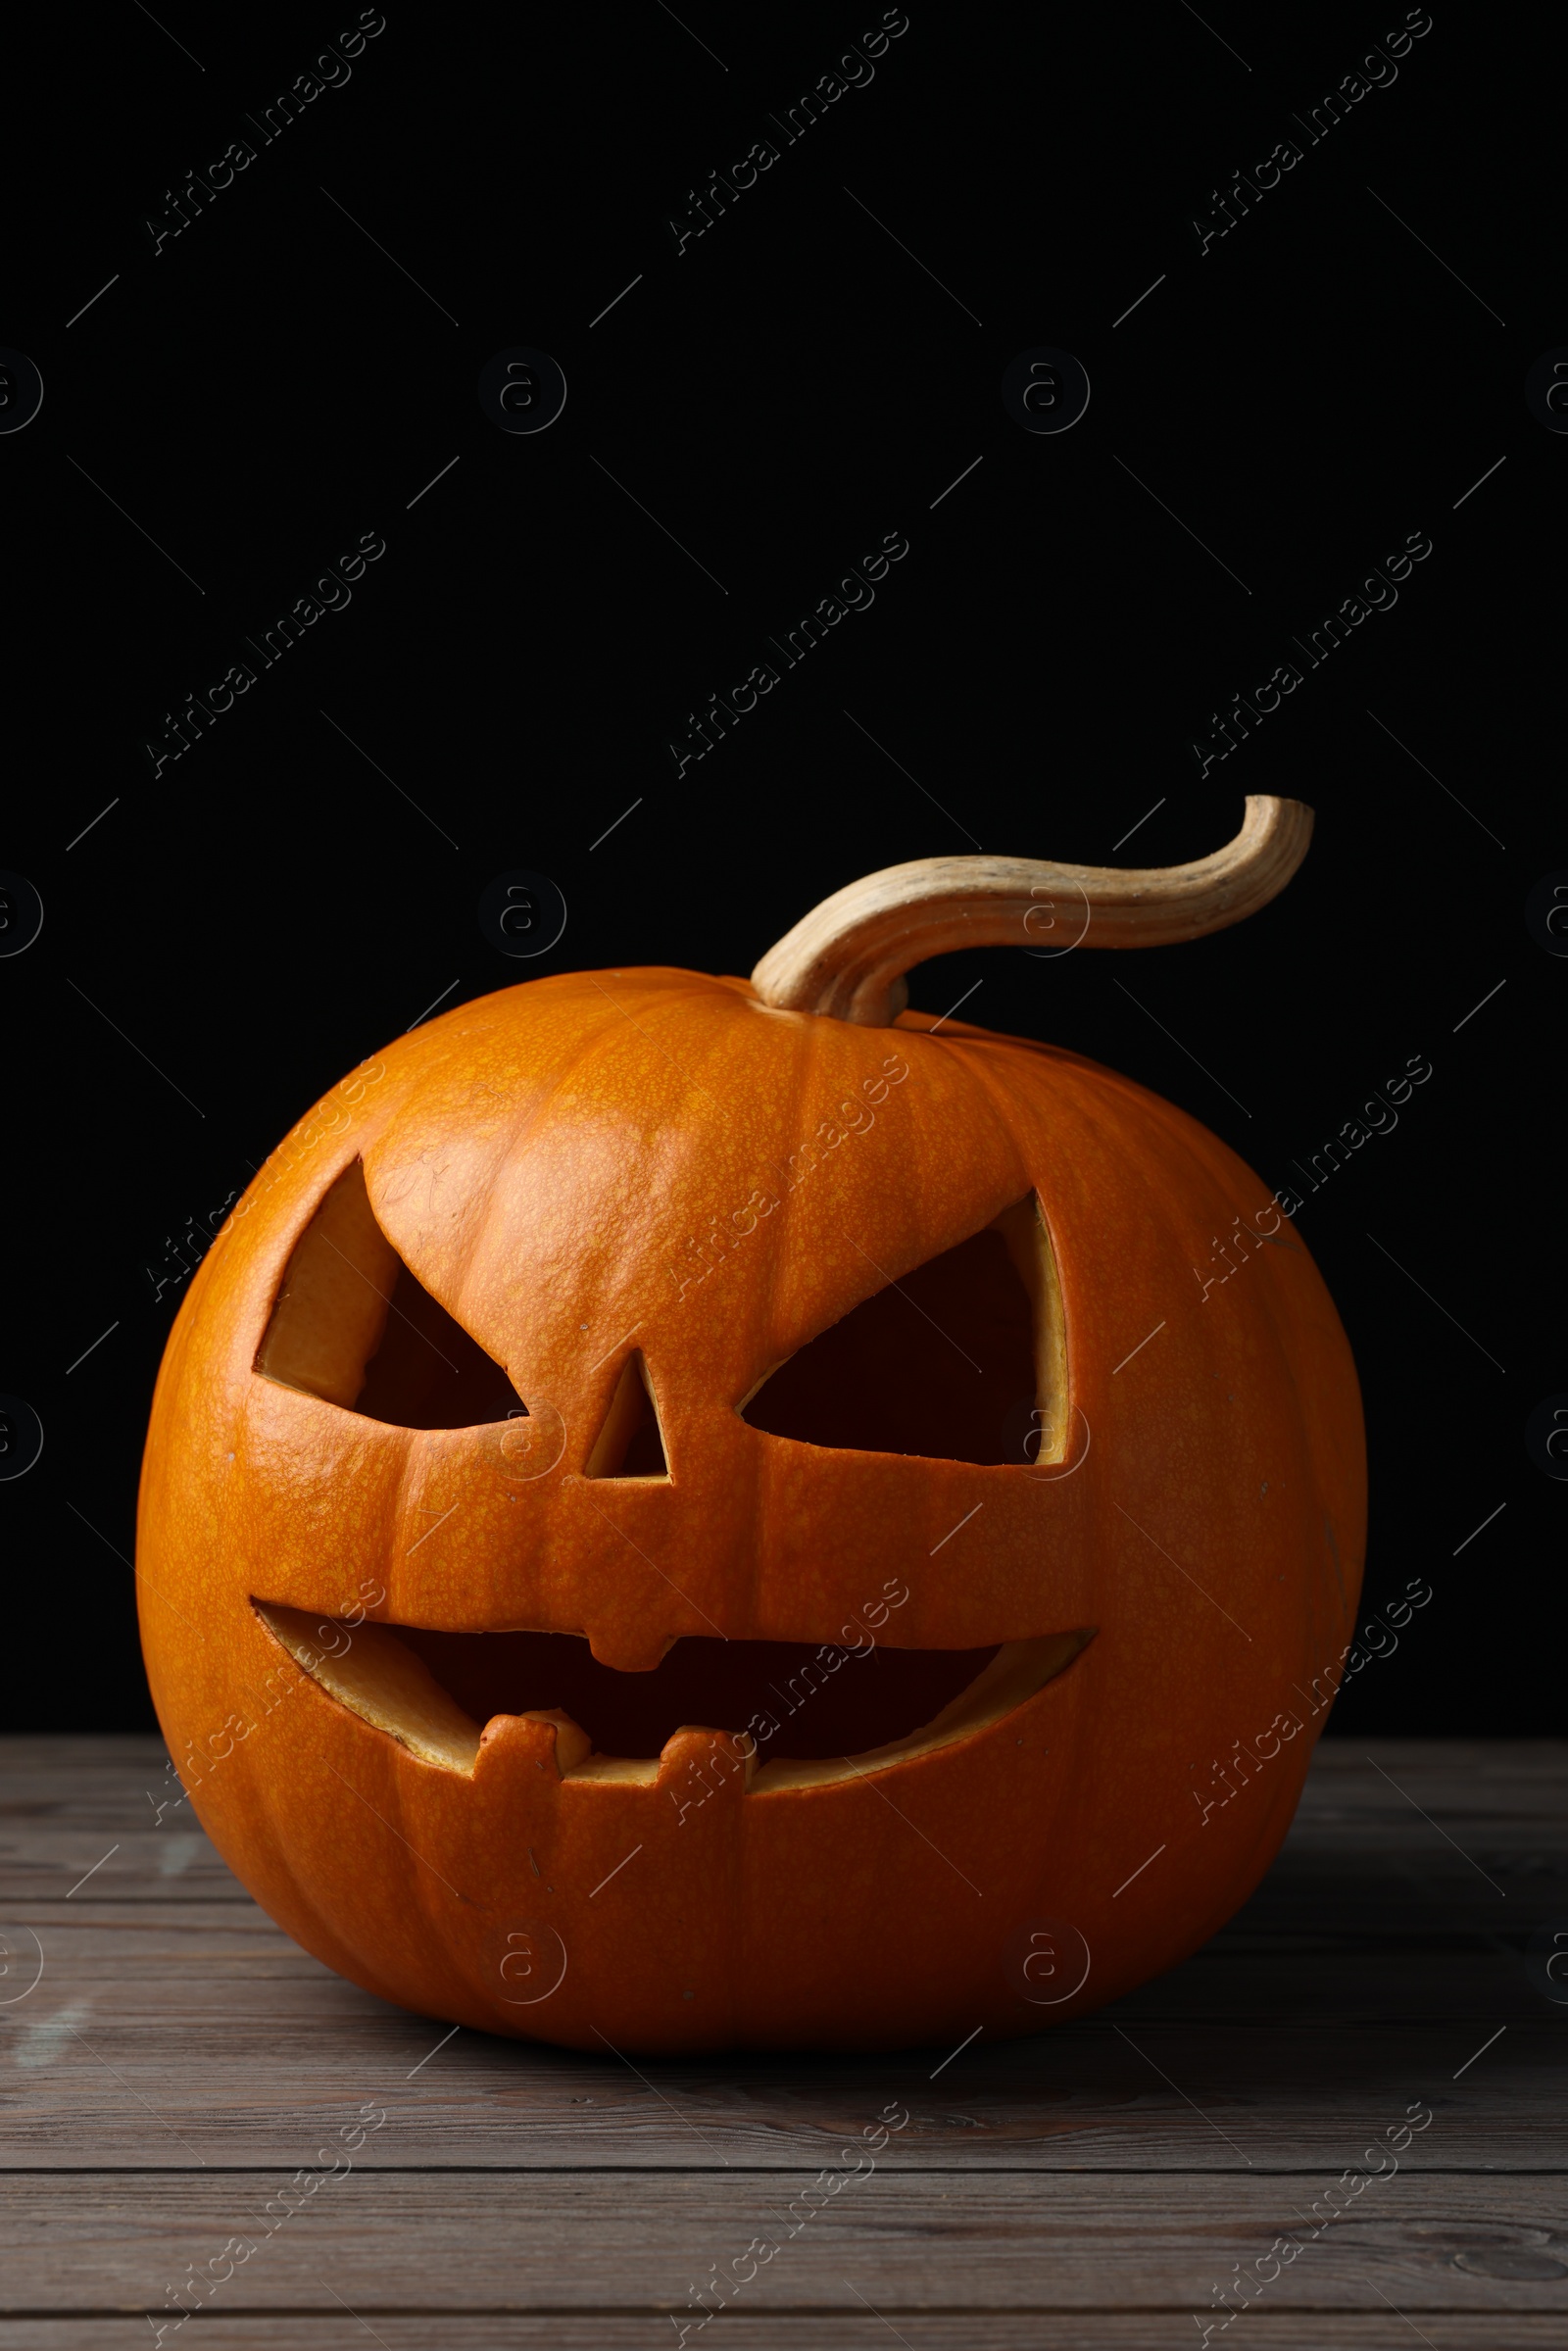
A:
(847, 956)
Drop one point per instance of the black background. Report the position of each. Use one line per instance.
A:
(793, 385)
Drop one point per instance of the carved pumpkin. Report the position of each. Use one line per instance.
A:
(684, 1512)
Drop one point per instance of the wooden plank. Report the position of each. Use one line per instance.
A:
(1092, 2186)
(949, 2241)
(113, 2070)
(169, 2029)
(851, 2328)
(71, 1804)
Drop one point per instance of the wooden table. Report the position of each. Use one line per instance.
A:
(179, 2059)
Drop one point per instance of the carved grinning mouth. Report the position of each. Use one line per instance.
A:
(816, 1713)
(962, 1360)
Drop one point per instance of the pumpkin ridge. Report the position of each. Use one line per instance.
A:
(801, 1073)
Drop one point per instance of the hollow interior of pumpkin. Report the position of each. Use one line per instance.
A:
(812, 1712)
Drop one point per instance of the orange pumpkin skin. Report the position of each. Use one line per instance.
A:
(542, 1159)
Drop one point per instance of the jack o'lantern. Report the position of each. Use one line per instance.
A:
(684, 1512)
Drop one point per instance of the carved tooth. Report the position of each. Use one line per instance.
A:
(571, 1743)
(695, 1763)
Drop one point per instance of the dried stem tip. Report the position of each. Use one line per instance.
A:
(847, 956)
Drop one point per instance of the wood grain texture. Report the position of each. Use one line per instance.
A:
(253, 2066)
(179, 2060)
(332, 2327)
(458, 2241)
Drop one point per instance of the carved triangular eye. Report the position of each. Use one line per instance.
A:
(631, 1444)
(354, 1326)
(964, 1359)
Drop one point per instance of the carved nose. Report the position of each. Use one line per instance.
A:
(631, 1443)
(630, 1447)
